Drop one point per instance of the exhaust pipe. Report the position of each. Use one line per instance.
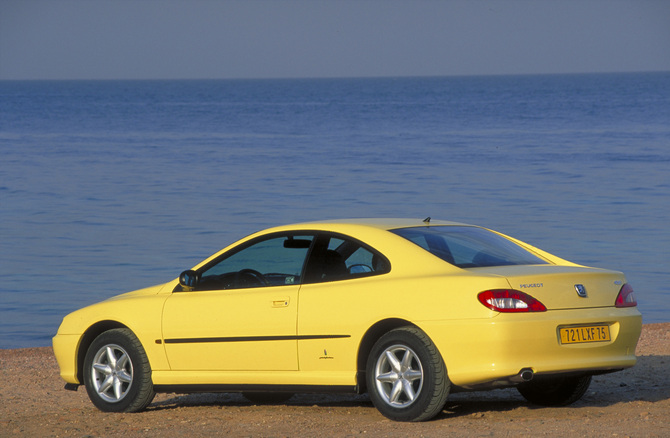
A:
(525, 375)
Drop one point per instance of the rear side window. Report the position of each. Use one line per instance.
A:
(337, 257)
(469, 247)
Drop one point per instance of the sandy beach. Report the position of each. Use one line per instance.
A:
(633, 403)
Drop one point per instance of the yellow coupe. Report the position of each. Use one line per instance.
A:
(405, 310)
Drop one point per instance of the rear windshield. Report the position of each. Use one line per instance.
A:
(469, 247)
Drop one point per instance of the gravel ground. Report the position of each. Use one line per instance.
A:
(634, 403)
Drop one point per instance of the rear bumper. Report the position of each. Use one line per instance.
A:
(480, 353)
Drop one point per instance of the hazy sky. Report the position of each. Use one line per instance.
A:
(126, 39)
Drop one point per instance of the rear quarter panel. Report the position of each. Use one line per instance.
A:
(351, 307)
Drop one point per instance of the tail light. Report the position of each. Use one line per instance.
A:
(626, 297)
(509, 301)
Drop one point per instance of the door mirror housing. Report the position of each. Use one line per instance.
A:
(189, 279)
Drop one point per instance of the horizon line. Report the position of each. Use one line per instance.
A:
(241, 78)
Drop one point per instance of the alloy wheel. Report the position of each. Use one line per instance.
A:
(112, 372)
(399, 376)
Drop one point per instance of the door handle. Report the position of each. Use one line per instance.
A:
(283, 302)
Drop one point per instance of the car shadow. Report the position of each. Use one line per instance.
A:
(238, 400)
(648, 381)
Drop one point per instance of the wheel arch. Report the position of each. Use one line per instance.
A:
(375, 332)
(87, 339)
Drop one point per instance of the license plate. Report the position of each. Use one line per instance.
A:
(578, 335)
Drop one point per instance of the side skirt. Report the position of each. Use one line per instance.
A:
(314, 389)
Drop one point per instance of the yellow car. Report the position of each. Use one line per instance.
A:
(405, 310)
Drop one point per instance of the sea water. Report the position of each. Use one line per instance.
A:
(110, 186)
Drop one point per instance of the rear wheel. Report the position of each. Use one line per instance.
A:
(406, 376)
(117, 374)
(555, 391)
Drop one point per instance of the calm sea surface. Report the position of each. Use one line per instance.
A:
(108, 186)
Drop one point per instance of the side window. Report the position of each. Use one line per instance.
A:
(340, 258)
(276, 261)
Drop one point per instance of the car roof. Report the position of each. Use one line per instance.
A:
(372, 231)
(380, 223)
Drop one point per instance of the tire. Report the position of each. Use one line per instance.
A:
(555, 391)
(117, 374)
(267, 397)
(406, 376)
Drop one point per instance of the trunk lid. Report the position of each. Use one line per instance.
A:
(557, 286)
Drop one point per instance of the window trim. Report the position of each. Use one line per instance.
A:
(317, 236)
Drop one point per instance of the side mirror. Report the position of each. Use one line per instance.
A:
(189, 279)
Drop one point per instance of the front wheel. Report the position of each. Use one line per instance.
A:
(555, 391)
(406, 376)
(117, 374)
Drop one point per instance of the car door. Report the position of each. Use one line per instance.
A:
(242, 314)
